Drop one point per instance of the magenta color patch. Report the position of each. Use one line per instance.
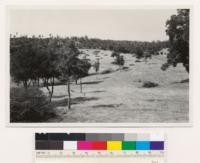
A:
(84, 145)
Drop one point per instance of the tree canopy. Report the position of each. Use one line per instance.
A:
(35, 58)
(178, 32)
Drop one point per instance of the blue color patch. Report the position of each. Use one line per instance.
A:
(142, 145)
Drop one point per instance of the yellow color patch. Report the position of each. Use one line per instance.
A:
(114, 145)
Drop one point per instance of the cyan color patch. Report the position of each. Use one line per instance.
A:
(142, 145)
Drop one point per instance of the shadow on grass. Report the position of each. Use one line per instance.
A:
(107, 106)
(106, 77)
(96, 91)
(182, 81)
(60, 96)
(92, 82)
(74, 101)
(107, 71)
(149, 84)
(79, 100)
(92, 74)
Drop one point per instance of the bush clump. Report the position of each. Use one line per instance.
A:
(29, 105)
(148, 84)
(137, 60)
(125, 68)
(107, 71)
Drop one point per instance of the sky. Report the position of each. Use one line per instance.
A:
(116, 24)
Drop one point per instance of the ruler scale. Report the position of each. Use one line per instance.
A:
(60, 147)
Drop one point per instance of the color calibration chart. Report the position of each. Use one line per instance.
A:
(99, 147)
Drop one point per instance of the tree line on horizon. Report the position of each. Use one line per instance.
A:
(120, 46)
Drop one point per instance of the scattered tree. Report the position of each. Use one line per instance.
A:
(81, 70)
(115, 54)
(68, 66)
(119, 59)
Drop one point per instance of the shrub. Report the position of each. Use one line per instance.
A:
(148, 84)
(115, 54)
(107, 71)
(29, 105)
(185, 81)
(119, 59)
(96, 52)
(125, 68)
(137, 60)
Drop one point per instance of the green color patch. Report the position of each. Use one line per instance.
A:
(128, 145)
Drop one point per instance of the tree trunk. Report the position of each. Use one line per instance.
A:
(44, 82)
(38, 82)
(25, 84)
(28, 84)
(69, 95)
(52, 90)
(47, 85)
(49, 91)
(81, 88)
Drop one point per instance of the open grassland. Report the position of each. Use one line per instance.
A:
(115, 95)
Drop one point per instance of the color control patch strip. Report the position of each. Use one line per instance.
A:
(99, 141)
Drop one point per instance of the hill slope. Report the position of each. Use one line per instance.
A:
(119, 96)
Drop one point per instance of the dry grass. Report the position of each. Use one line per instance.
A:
(119, 96)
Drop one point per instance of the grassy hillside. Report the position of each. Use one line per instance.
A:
(114, 95)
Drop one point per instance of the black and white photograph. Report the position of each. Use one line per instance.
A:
(94, 66)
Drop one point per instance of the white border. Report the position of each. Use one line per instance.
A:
(98, 125)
